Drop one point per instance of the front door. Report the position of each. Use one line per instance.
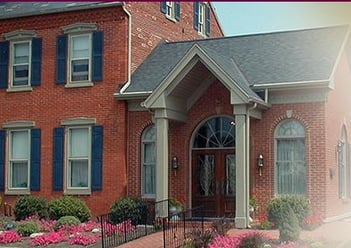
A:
(214, 182)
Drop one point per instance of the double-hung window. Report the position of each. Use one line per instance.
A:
(202, 15)
(171, 10)
(77, 158)
(20, 156)
(19, 159)
(79, 55)
(20, 61)
(21, 57)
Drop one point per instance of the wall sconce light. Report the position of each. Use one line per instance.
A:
(260, 163)
(175, 163)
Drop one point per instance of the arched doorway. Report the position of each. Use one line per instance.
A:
(213, 167)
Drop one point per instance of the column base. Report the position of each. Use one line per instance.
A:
(241, 222)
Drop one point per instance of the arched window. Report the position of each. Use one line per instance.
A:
(148, 162)
(290, 169)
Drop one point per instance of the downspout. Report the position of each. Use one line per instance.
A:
(248, 162)
(125, 86)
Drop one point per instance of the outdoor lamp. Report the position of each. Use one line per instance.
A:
(260, 163)
(175, 163)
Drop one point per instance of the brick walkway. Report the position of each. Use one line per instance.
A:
(336, 234)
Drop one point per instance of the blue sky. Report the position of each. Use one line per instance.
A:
(256, 17)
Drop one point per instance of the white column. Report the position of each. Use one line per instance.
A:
(242, 184)
(162, 162)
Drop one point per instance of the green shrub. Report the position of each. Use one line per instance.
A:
(26, 228)
(68, 206)
(67, 220)
(27, 206)
(289, 229)
(252, 240)
(127, 208)
(298, 204)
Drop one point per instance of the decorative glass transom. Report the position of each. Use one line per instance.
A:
(291, 128)
(217, 132)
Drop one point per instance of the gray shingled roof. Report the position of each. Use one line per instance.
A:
(281, 57)
(20, 9)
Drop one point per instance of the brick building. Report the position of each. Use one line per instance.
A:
(207, 119)
(62, 130)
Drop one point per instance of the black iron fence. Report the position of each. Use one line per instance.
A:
(117, 230)
(180, 226)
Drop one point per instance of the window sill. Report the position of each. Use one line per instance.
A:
(17, 192)
(172, 19)
(77, 192)
(79, 84)
(20, 89)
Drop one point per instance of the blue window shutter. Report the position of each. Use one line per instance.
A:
(177, 10)
(58, 159)
(2, 158)
(36, 62)
(35, 157)
(61, 59)
(97, 150)
(196, 15)
(4, 64)
(163, 7)
(98, 50)
(208, 20)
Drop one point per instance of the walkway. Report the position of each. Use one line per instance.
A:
(336, 234)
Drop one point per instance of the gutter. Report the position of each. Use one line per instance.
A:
(299, 84)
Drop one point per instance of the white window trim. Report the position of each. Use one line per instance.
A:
(16, 88)
(8, 189)
(79, 83)
(76, 190)
(20, 35)
(143, 142)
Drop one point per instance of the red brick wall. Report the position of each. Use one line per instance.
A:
(150, 26)
(338, 114)
(49, 103)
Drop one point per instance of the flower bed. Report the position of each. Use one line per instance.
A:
(84, 234)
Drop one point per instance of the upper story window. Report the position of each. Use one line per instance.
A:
(202, 15)
(171, 10)
(79, 55)
(20, 145)
(20, 61)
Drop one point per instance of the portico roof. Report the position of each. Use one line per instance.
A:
(248, 61)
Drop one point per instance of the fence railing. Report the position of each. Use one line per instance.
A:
(179, 226)
(119, 228)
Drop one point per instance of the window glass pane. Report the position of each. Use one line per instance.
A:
(19, 145)
(21, 53)
(291, 128)
(216, 132)
(149, 161)
(149, 153)
(149, 179)
(79, 142)
(20, 75)
(19, 175)
(79, 173)
(80, 47)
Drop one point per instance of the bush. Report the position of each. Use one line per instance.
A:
(289, 229)
(298, 204)
(252, 240)
(67, 220)
(127, 208)
(27, 206)
(26, 228)
(68, 206)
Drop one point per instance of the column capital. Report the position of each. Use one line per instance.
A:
(240, 109)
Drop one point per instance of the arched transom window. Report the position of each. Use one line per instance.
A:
(218, 132)
(290, 169)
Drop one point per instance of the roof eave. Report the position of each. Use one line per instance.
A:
(61, 10)
(293, 85)
(132, 95)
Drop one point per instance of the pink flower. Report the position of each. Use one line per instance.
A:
(9, 237)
